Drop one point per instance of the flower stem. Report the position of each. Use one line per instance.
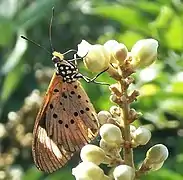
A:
(127, 150)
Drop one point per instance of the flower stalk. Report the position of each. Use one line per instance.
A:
(127, 151)
(116, 130)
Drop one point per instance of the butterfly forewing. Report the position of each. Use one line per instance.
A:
(65, 123)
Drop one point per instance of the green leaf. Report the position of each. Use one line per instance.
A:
(173, 35)
(177, 87)
(149, 7)
(11, 81)
(163, 174)
(129, 38)
(127, 16)
(62, 174)
(32, 173)
(31, 15)
(15, 56)
(7, 31)
(164, 17)
(13, 69)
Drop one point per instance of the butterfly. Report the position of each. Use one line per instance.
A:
(66, 120)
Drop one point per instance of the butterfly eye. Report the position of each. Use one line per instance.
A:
(55, 59)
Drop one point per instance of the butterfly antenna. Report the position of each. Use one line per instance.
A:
(23, 37)
(50, 29)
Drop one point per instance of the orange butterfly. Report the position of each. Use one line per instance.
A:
(66, 121)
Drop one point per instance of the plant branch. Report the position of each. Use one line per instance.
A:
(125, 107)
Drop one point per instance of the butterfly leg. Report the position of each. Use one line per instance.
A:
(89, 80)
(70, 50)
(75, 58)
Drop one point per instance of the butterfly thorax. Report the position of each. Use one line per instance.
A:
(67, 70)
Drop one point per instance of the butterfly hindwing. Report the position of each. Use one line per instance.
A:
(65, 123)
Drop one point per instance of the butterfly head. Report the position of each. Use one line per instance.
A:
(66, 69)
(57, 57)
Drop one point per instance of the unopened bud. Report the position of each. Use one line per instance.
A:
(120, 53)
(155, 167)
(96, 57)
(132, 114)
(132, 129)
(157, 154)
(83, 48)
(114, 88)
(92, 153)
(13, 117)
(106, 178)
(144, 53)
(113, 98)
(3, 131)
(103, 116)
(110, 148)
(88, 171)
(111, 133)
(124, 172)
(115, 111)
(109, 45)
(141, 136)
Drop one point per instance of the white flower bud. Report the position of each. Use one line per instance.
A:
(106, 178)
(109, 45)
(115, 88)
(144, 53)
(132, 128)
(141, 136)
(92, 153)
(110, 148)
(13, 116)
(124, 172)
(120, 53)
(155, 167)
(111, 133)
(115, 111)
(157, 154)
(96, 57)
(3, 131)
(103, 116)
(83, 48)
(88, 171)
(113, 98)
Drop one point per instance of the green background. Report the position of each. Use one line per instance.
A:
(25, 68)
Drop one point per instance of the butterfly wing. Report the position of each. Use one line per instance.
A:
(65, 123)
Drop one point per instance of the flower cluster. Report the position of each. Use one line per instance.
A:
(118, 136)
(112, 54)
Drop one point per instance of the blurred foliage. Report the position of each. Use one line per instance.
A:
(25, 68)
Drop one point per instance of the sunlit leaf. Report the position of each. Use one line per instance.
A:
(15, 56)
(173, 32)
(32, 173)
(6, 29)
(34, 12)
(162, 175)
(13, 69)
(135, 19)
